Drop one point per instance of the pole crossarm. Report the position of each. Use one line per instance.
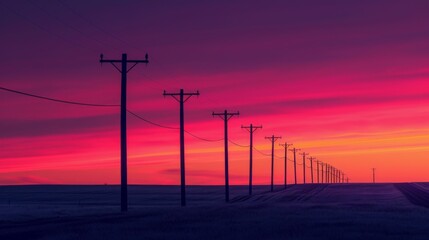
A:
(251, 128)
(226, 115)
(113, 61)
(188, 95)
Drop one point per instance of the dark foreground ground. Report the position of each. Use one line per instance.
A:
(319, 211)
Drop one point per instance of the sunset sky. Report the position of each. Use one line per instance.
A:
(346, 81)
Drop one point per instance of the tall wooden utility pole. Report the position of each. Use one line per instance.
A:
(294, 150)
(124, 70)
(225, 116)
(251, 130)
(286, 145)
(273, 139)
(182, 101)
(303, 165)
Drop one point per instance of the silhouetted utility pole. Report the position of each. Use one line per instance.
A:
(321, 164)
(251, 130)
(327, 173)
(343, 176)
(273, 139)
(225, 116)
(339, 176)
(373, 175)
(317, 168)
(294, 150)
(124, 70)
(311, 167)
(334, 175)
(286, 145)
(303, 165)
(182, 97)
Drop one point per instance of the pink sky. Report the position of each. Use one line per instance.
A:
(345, 81)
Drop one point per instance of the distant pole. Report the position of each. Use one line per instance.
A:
(334, 175)
(317, 168)
(251, 130)
(311, 168)
(294, 150)
(321, 164)
(124, 70)
(373, 175)
(303, 165)
(273, 139)
(339, 176)
(182, 100)
(326, 173)
(225, 116)
(343, 177)
(347, 179)
(286, 145)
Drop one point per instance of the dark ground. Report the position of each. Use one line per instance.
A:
(318, 211)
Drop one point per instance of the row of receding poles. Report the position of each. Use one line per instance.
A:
(332, 174)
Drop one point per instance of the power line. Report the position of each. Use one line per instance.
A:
(265, 154)
(59, 100)
(203, 139)
(108, 105)
(174, 128)
(239, 145)
(150, 122)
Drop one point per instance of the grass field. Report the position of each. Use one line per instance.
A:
(312, 211)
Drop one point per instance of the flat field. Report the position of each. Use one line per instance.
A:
(312, 211)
